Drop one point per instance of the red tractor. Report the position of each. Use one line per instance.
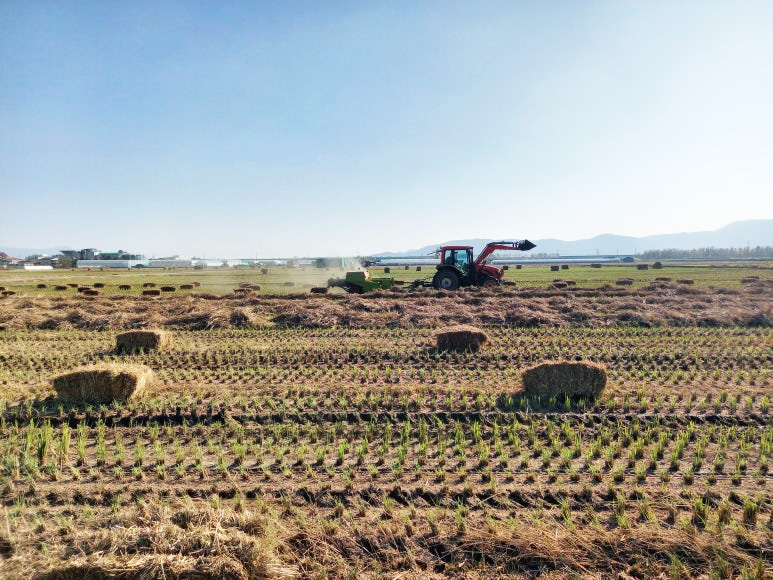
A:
(457, 267)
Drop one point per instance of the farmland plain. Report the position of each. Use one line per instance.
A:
(297, 435)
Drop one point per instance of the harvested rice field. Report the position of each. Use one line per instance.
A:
(290, 435)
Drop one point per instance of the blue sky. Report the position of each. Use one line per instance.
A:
(326, 128)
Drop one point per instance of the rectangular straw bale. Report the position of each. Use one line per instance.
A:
(103, 383)
(462, 337)
(573, 378)
(141, 340)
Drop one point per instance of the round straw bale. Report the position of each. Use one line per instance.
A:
(168, 288)
(83, 288)
(151, 292)
(573, 378)
(186, 286)
(42, 286)
(318, 290)
(149, 285)
(125, 287)
(564, 266)
(407, 267)
(60, 288)
(462, 337)
(8, 292)
(642, 266)
(91, 292)
(685, 281)
(505, 267)
(418, 268)
(519, 266)
(624, 282)
(99, 284)
(554, 268)
(595, 265)
(142, 340)
(657, 265)
(264, 270)
(387, 270)
(103, 383)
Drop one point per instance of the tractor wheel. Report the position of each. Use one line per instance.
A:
(446, 280)
(488, 282)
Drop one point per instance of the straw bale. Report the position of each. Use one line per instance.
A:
(168, 288)
(149, 285)
(2, 288)
(60, 288)
(625, 282)
(519, 266)
(387, 270)
(142, 340)
(554, 268)
(84, 288)
(125, 287)
(462, 337)
(99, 284)
(91, 292)
(151, 292)
(42, 286)
(8, 293)
(318, 290)
(505, 267)
(264, 270)
(418, 268)
(595, 265)
(186, 286)
(103, 383)
(642, 266)
(657, 265)
(573, 378)
(564, 266)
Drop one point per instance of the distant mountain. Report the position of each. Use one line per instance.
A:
(24, 252)
(735, 235)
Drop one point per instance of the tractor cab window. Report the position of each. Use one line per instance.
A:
(458, 258)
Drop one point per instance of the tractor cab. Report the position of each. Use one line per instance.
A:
(457, 257)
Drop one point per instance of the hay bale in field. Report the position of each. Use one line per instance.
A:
(685, 281)
(142, 340)
(41, 286)
(642, 266)
(406, 267)
(554, 268)
(573, 378)
(195, 284)
(657, 265)
(564, 266)
(168, 288)
(103, 383)
(91, 292)
(125, 287)
(151, 292)
(99, 284)
(519, 266)
(149, 285)
(418, 268)
(186, 286)
(595, 265)
(60, 288)
(8, 293)
(624, 282)
(318, 290)
(84, 288)
(462, 337)
(2, 288)
(264, 270)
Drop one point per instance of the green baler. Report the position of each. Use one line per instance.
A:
(359, 282)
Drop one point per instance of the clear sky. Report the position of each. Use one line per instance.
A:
(324, 128)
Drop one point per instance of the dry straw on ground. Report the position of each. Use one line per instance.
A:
(141, 340)
(103, 383)
(462, 337)
(580, 378)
